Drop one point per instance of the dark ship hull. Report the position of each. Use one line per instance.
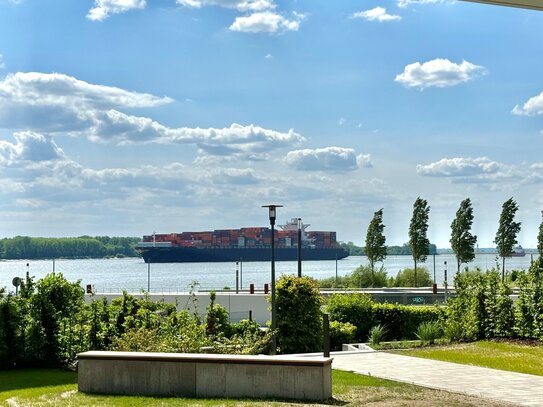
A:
(230, 254)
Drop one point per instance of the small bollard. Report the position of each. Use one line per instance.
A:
(251, 288)
(89, 289)
(250, 315)
(434, 288)
(266, 288)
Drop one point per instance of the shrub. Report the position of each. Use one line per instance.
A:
(340, 333)
(360, 277)
(377, 334)
(429, 331)
(406, 278)
(355, 308)
(360, 310)
(403, 320)
(299, 318)
(216, 319)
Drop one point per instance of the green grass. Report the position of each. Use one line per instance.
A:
(497, 355)
(48, 387)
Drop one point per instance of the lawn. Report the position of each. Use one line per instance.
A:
(53, 388)
(515, 357)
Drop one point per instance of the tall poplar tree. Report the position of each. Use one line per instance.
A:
(540, 237)
(462, 241)
(506, 236)
(375, 248)
(418, 241)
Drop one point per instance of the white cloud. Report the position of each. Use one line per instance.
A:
(58, 102)
(407, 3)
(268, 56)
(326, 159)
(2, 64)
(534, 106)
(341, 121)
(439, 73)
(459, 167)
(29, 147)
(364, 161)
(240, 5)
(376, 14)
(104, 8)
(266, 22)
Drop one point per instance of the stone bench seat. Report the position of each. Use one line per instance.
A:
(205, 375)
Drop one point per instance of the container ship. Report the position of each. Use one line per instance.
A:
(245, 244)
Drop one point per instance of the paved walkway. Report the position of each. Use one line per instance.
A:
(516, 388)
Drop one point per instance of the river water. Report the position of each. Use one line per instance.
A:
(131, 274)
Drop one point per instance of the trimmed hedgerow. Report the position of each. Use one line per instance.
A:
(402, 321)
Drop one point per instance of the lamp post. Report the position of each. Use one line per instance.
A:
(299, 247)
(272, 211)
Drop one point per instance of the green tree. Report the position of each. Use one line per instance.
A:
(508, 229)
(375, 241)
(299, 318)
(540, 237)
(418, 241)
(462, 241)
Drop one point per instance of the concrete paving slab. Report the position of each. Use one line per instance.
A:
(511, 387)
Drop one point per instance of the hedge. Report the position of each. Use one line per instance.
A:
(401, 321)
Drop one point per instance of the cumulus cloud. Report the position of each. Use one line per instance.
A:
(29, 147)
(439, 73)
(266, 22)
(104, 8)
(58, 102)
(534, 106)
(364, 161)
(326, 159)
(376, 14)
(459, 167)
(240, 5)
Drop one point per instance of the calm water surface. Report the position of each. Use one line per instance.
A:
(131, 273)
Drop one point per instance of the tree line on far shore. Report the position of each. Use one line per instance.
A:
(24, 247)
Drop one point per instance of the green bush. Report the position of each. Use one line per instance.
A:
(529, 307)
(360, 310)
(217, 323)
(482, 308)
(377, 334)
(299, 318)
(360, 277)
(354, 308)
(406, 278)
(403, 320)
(429, 331)
(341, 333)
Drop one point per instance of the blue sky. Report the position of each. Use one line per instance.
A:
(123, 117)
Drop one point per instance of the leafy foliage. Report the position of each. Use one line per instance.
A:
(406, 278)
(340, 333)
(361, 311)
(482, 307)
(299, 318)
(540, 237)
(362, 276)
(462, 241)
(375, 241)
(418, 241)
(377, 334)
(429, 331)
(508, 229)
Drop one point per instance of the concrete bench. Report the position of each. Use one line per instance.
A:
(205, 375)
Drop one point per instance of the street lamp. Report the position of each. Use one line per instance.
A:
(273, 215)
